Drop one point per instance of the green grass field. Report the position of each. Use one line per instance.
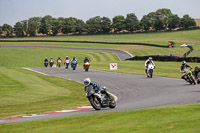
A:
(180, 37)
(21, 88)
(190, 36)
(172, 119)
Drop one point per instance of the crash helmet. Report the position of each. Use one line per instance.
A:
(196, 68)
(87, 81)
(86, 58)
(73, 58)
(183, 63)
(67, 57)
(58, 57)
(150, 58)
(51, 57)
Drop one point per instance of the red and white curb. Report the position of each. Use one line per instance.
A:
(48, 113)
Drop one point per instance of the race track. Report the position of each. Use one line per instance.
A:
(133, 91)
(122, 55)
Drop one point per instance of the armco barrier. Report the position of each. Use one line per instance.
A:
(166, 58)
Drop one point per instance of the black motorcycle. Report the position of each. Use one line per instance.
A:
(46, 63)
(99, 99)
(51, 63)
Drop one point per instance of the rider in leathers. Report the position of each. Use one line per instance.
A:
(183, 69)
(88, 83)
(196, 71)
(85, 60)
(147, 62)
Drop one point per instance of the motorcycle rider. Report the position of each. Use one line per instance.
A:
(147, 62)
(183, 69)
(46, 61)
(51, 60)
(67, 58)
(85, 60)
(74, 59)
(196, 71)
(88, 83)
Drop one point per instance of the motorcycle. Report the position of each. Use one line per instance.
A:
(86, 66)
(46, 63)
(99, 99)
(59, 63)
(198, 78)
(51, 63)
(189, 77)
(74, 64)
(66, 64)
(150, 70)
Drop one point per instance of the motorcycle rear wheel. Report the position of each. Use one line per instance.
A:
(112, 104)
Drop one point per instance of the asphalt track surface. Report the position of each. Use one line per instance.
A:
(133, 91)
(121, 54)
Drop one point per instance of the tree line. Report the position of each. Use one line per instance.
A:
(161, 20)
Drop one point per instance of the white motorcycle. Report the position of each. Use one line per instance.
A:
(66, 64)
(150, 70)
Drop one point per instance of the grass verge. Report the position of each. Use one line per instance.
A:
(23, 92)
(172, 119)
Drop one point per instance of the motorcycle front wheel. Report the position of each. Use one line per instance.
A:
(95, 103)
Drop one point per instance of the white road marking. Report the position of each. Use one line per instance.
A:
(35, 71)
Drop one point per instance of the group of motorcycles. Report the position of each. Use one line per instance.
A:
(188, 75)
(74, 64)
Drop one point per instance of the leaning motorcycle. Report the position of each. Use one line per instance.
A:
(46, 63)
(86, 66)
(74, 64)
(150, 70)
(189, 77)
(99, 99)
(66, 64)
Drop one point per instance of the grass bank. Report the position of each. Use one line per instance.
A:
(173, 119)
(23, 92)
(162, 38)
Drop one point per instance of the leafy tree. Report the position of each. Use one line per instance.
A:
(119, 23)
(106, 25)
(0, 30)
(145, 23)
(69, 25)
(94, 25)
(33, 25)
(18, 28)
(8, 29)
(187, 21)
(173, 21)
(56, 26)
(80, 26)
(25, 27)
(132, 22)
(46, 24)
(163, 15)
(61, 22)
(156, 22)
